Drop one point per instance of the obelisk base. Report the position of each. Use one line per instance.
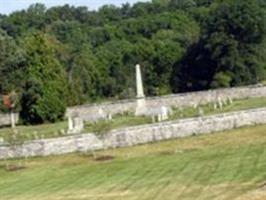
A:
(141, 107)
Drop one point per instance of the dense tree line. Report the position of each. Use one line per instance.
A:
(69, 55)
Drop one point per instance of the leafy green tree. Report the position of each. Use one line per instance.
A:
(227, 53)
(12, 64)
(44, 95)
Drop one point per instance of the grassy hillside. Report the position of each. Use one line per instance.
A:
(226, 166)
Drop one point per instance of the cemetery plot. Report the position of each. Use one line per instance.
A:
(127, 120)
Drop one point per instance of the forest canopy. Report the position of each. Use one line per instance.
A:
(68, 55)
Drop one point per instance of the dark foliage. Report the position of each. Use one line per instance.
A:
(69, 55)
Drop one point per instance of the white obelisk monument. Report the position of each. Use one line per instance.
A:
(141, 104)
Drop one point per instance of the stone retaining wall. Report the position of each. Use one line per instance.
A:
(5, 119)
(136, 135)
(176, 100)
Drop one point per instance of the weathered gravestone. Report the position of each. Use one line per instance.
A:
(75, 125)
(2, 140)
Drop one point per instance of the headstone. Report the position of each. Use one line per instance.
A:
(2, 140)
(110, 117)
(62, 132)
(13, 120)
(230, 100)
(78, 125)
(200, 112)
(159, 118)
(141, 103)
(215, 106)
(220, 103)
(159, 113)
(224, 101)
(70, 124)
(101, 113)
(165, 113)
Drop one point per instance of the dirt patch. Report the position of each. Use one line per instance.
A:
(13, 168)
(166, 153)
(177, 151)
(263, 186)
(257, 194)
(104, 158)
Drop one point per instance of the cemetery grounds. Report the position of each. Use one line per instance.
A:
(226, 166)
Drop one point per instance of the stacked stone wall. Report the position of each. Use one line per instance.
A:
(5, 119)
(175, 100)
(136, 135)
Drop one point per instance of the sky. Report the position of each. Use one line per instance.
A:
(8, 6)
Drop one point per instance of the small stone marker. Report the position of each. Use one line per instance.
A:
(62, 132)
(215, 106)
(224, 101)
(70, 124)
(1, 140)
(12, 120)
(159, 114)
(200, 112)
(230, 100)
(110, 117)
(76, 125)
(165, 113)
(79, 125)
(220, 103)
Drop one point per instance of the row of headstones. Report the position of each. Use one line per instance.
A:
(158, 114)
(76, 122)
(163, 112)
(220, 103)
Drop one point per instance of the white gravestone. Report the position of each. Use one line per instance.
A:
(230, 100)
(160, 114)
(75, 125)
(220, 103)
(78, 125)
(12, 119)
(215, 106)
(2, 140)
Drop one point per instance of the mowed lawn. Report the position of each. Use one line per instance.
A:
(224, 166)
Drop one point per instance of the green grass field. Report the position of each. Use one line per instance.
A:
(126, 120)
(226, 166)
